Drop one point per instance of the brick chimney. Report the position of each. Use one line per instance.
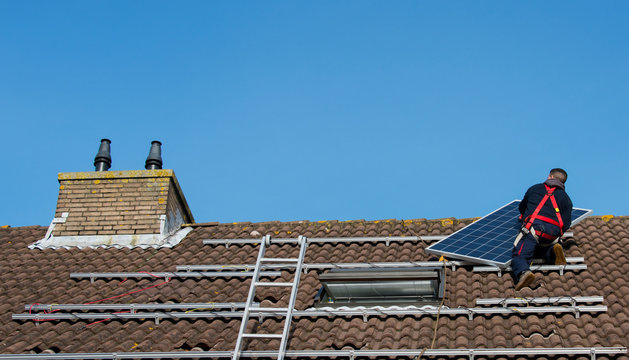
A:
(143, 208)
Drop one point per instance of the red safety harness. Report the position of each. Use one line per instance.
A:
(536, 216)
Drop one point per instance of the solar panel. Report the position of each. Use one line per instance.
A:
(489, 240)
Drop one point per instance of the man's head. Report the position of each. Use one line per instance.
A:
(559, 174)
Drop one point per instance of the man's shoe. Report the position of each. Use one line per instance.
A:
(560, 258)
(526, 279)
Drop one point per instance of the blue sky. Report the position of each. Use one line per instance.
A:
(295, 110)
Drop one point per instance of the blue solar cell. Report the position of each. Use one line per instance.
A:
(489, 240)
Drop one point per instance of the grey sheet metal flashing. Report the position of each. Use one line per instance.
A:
(51, 227)
(319, 312)
(142, 241)
(350, 354)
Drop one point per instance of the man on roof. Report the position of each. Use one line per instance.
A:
(546, 213)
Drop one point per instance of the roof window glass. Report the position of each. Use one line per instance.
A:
(390, 286)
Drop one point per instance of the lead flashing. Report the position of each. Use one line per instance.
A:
(112, 241)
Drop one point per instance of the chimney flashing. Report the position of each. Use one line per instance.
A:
(142, 241)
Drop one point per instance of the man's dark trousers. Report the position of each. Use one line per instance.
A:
(528, 249)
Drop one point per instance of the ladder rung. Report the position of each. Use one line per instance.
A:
(267, 309)
(275, 336)
(267, 283)
(293, 260)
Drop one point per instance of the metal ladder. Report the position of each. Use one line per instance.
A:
(256, 309)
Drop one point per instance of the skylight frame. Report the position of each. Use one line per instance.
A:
(376, 286)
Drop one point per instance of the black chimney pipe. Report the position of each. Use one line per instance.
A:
(102, 161)
(154, 160)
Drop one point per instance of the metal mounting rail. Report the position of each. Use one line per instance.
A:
(569, 260)
(561, 268)
(386, 239)
(367, 265)
(364, 265)
(323, 312)
(132, 307)
(156, 316)
(351, 354)
(324, 266)
(169, 275)
(540, 300)
(470, 312)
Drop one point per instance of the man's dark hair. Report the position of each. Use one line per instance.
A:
(559, 174)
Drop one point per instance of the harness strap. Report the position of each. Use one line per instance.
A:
(554, 201)
(536, 216)
(549, 193)
(537, 234)
(544, 235)
(549, 220)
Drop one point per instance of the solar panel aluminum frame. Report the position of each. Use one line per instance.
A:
(587, 213)
(502, 265)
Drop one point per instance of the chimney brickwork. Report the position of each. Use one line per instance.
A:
(120, 203)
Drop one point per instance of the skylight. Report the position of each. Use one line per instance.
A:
(381, 286)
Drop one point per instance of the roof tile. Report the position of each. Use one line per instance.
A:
(47, 273)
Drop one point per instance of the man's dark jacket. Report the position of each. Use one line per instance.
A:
(536, 193)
